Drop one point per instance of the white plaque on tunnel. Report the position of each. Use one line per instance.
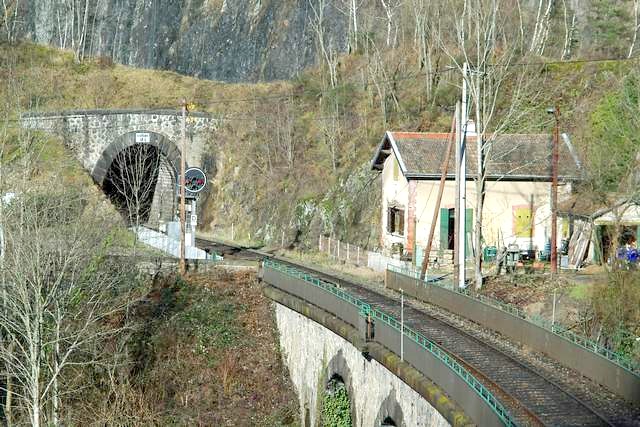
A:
(143, 137)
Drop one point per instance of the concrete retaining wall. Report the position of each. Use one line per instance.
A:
(589, 364)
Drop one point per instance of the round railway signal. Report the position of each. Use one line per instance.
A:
(194, 180)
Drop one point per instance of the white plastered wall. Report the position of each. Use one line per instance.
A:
(498, 221)
(393, 191)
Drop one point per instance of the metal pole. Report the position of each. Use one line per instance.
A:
(232, 232)
(183, 154)
(456, 219)
(358, 257)
(282, 240)
(462, 185)
(347, 251)
(401, 324)
(554, 195)
(553, 313)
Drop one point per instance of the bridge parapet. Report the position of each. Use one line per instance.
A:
(425, 356)
(607, 368)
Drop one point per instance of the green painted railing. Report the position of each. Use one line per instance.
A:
(579, 340)
(366, 309)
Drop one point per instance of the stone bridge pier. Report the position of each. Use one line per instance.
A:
(314, 355)
(111, 144)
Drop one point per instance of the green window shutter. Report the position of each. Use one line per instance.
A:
(444, 228)
(468, 232)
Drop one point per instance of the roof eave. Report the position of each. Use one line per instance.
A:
(537, 178)
(376, 163)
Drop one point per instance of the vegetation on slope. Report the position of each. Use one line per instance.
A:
(293, 157)
(202, 356)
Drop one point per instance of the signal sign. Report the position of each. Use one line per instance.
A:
(194, 180)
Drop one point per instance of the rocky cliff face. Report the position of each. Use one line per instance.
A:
(229, 40)
(251, 40)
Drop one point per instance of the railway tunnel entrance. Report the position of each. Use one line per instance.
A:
(137, 172)
(139, 183)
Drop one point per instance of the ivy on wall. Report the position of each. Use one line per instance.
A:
(336, 406)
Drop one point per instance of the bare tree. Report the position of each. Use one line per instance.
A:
(636, 27)
(59, 297)
(390, 8)
(285, 135)
(383, 79)
(487, 41)
(352, 15)
(59, 291)
(541, 28)
(73, 25)
(10, 10)
(425, 40)
(131, 181)
(324, 39)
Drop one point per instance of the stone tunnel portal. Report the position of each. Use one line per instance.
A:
(138, 174)
(140, 184)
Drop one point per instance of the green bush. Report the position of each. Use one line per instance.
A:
(336, 406)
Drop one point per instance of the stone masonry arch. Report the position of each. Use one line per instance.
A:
(339, 367)
(313, 354)
(89, 134)
(390, 413)
(122, 142)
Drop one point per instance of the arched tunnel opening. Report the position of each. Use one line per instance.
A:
(336, 403)
(388, 422)
(140, 184)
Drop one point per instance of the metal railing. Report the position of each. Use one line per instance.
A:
(366, 309)
(451, 363)
(577, 339)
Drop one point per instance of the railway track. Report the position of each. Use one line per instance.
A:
(229, 250)
(532, 397)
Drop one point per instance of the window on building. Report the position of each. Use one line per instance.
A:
(395, 220)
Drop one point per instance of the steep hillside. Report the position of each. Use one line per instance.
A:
(204, 356)
(293, 157)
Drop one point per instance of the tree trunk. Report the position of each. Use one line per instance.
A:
(8, 410)
(636, 26)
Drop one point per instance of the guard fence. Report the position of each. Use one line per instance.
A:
(553, 327)
(366, 310)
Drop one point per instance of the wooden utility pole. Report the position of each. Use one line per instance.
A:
(443, 180)
(183, 132)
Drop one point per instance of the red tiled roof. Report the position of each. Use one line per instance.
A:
(510, 156)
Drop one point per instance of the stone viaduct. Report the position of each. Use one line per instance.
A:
(98, 137)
